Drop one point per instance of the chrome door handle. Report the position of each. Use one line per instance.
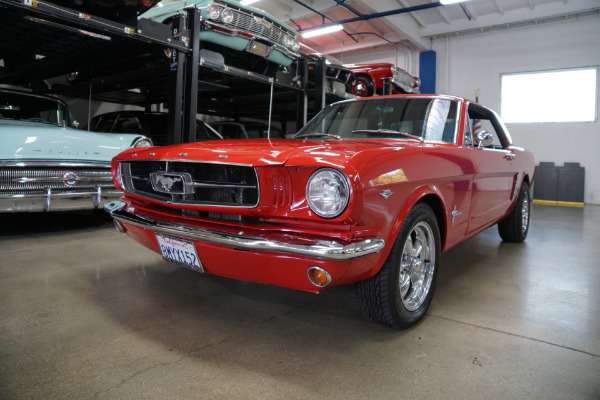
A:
(510, 156)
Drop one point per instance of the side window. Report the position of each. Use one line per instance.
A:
(482, 120)
(104, 124)
(128, 123)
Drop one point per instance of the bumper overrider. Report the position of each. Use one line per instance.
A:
(327, 259)
(57, 201)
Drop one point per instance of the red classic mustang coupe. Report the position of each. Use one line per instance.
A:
(370, 191)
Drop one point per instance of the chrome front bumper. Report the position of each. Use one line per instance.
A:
(57, 201)
(330, 249)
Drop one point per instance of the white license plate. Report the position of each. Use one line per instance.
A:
(179, 251)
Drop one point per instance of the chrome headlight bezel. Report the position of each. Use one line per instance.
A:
(288, 41)
(227, 15)
(328, 192)
(142, 141)
(295, 45)
(213, 11)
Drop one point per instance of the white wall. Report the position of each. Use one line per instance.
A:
(471, 62)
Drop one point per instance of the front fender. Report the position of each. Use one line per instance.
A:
(385, 216)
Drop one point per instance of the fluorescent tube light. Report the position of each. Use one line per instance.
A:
(322, 31)
(446, 2)
(247, 2)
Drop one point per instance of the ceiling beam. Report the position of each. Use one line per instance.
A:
(541, 11)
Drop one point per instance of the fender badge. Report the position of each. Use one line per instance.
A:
(386, 194)
(455, 214)
(222, 156)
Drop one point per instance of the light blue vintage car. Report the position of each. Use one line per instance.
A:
(46, 165)
(233, 26)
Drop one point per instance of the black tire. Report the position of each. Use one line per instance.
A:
(400, 294)
(514, 228)
(363, 87)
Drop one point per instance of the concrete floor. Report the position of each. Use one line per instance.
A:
(87, 313)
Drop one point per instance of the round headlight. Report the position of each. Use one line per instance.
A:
(142, 142)
(288, 40)
(227, 15)
(327, 192)
(295, 45)
(213, 11)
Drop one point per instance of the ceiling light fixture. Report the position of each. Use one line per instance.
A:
(446, 2)
(322, 31)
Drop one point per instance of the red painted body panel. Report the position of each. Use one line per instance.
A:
(479, 183)
(376, 72)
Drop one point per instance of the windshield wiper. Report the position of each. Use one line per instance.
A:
(318, 134)
(384, 132)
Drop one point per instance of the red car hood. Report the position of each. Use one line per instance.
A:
(262, 152)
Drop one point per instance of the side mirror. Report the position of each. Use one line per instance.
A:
(484, 139)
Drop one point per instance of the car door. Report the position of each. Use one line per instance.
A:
(495, 172)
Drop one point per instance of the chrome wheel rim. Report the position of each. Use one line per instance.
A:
(525, 212)
(360, 89)
(417, 266)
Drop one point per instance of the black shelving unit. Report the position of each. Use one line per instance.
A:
(150, 63)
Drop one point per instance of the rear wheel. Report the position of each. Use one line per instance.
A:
(514, 228)
(400, 294)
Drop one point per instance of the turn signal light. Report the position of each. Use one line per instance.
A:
(318, 276)
(119, 226)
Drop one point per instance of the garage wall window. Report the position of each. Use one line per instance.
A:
(566, 95)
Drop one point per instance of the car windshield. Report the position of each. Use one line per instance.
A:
(405, 118)
(22, 107)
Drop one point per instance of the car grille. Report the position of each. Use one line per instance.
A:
(257, 24)
(29, 178)
(192, 182)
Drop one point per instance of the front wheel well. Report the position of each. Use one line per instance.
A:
(438, 209)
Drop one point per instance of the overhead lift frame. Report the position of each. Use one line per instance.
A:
(185, 59)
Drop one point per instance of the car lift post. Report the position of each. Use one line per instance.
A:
(176, 97)
(190, 106)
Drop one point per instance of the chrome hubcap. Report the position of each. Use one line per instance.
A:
(360, 89)
(417, 266)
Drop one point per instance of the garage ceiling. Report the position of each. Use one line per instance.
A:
(415, 29)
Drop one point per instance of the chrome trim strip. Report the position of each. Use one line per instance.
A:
(50, 200)
(50, 163)
(173, 160)
(329, 250)
(66, 194)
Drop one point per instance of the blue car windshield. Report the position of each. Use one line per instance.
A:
(405, 118)
(23, 107)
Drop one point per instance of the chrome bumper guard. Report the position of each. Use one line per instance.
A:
(329, 250)
(58, 201)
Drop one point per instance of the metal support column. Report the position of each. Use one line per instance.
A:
(320, 85)
(387, 86)
(302, 103)
(190, 107)
(176, 97)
